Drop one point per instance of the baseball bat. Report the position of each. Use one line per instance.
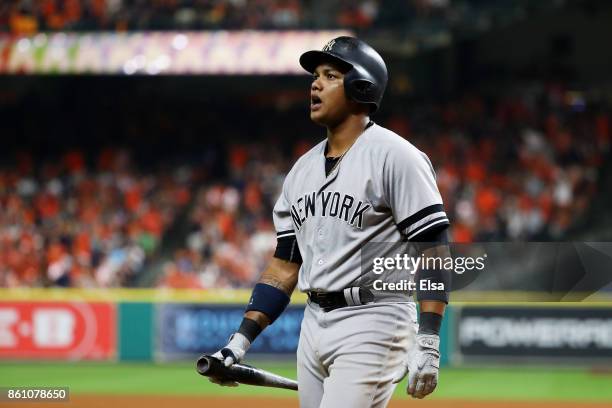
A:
(210, 366)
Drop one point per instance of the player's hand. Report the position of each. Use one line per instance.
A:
(232, 353)
(421, 366)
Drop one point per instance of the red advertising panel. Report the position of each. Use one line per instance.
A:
(57, 330)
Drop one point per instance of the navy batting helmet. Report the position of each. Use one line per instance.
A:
(365, 75)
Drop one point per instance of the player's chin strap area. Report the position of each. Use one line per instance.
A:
(353, 296)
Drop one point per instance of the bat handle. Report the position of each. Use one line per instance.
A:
(204, 364)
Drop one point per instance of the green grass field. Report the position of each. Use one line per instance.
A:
(506, 383)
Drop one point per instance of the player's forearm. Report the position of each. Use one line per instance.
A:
(271, 294)
(269, 299)
(432, 304)
(281, 275)
(435, 277)
(260, 318)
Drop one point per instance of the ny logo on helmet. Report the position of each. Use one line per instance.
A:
(329, 45)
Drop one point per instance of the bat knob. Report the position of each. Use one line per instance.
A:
(204, 363)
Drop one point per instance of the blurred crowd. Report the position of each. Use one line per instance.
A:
(29, 16)
(231, 235)
(524, 164)
(64, 223)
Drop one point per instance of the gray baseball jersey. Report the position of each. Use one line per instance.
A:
(383, 190)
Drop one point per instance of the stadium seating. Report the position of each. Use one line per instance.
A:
(523, 166)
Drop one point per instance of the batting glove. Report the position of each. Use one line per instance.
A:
(421, 366)
(232, 353)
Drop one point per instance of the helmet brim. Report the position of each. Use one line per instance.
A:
(310, 60)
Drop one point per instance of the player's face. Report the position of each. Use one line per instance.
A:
(328, 102)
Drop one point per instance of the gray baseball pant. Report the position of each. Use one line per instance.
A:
(347, 357)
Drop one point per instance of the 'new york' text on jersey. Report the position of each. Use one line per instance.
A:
(384, 190)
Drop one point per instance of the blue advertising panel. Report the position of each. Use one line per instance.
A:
(187, 330)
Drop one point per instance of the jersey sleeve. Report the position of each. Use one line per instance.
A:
(286, 241)
(412, 194)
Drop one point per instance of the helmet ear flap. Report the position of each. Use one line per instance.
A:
(359, 87)
(362, 86)
(361, 90)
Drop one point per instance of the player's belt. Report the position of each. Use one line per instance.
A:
(329, 301)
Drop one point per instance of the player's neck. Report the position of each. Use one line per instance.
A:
(342, 136)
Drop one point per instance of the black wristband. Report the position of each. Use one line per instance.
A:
(429, 323)
(250, 329)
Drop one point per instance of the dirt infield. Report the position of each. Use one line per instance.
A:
(135, 401)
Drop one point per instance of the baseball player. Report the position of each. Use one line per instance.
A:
(362, 184)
